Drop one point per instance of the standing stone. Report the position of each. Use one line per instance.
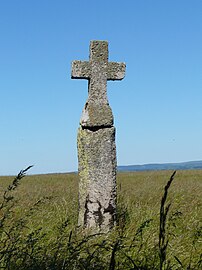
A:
(96, 140)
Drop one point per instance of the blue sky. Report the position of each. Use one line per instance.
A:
(157, 107)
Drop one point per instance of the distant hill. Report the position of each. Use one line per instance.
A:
(190, 165)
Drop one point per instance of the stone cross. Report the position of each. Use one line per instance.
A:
(96, 141)
(97, 71)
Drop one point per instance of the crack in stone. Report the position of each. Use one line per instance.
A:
(112, 211)
(96, 128)
(86, 211)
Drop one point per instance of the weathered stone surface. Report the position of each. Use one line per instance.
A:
(96, 115)
(97, 178)
(97, 71)
(96, 140)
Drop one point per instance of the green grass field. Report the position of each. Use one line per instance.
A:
(41, 224)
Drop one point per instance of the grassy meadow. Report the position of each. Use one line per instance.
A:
(38, 227)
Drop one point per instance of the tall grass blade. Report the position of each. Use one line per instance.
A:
(164, 209)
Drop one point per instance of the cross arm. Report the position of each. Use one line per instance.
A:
(116, 71)
(80, 70)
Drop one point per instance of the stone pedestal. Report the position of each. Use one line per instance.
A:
(97, 178)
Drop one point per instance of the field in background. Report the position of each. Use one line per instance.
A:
(47, 201)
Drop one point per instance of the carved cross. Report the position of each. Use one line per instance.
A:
(98, 71)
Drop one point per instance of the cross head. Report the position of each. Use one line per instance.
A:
(97, 71)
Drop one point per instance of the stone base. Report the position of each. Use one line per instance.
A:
(97, 178)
